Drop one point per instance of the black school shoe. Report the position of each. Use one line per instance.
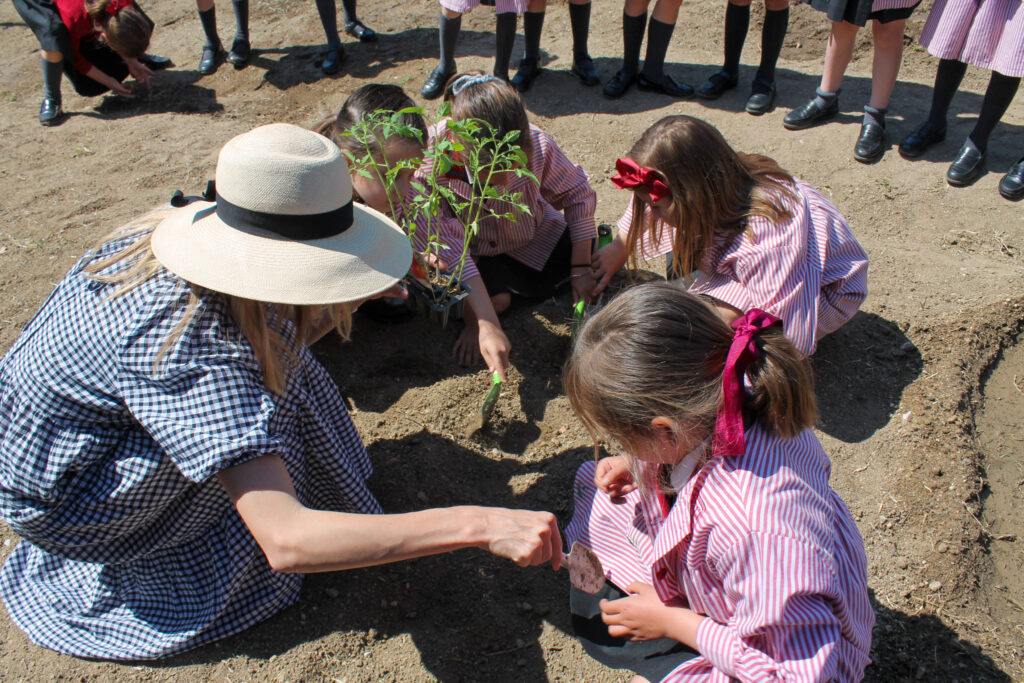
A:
(332, 60)
(212, 57)
(811, 114)
(50, 112)
(240, 52)
(526, 74)
(717, 84)
(583, 68)
(156, 62)
(871, 143)
(360, 31)
(966, 168)
(664, 85)
(762, 98)
(1012, 184)
(433, 87)
(926, 135)
(619, 84)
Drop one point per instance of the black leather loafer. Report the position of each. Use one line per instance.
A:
(50, 112)
(156, 62)
(717, 84)
(926, 135)
(361, 32)
(332, 60)
(240, 52)
(618, 85)
(665, 85)
(526, 74)
(211, 58)
(762, 98)
(433, 87)
(583, 68)
(966, 168)
(871, 143)
(1012, 184)
(811, 114)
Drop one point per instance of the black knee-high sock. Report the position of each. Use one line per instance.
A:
(449, 37)
(579, 19)
(659, 34)
(632, 39)
(737, 21)
(328, 12)
(241, 8)
(774, 32)
(208, 19)
(1000, 92)
(348, 8)
(505, 36)
(533, 24)
(947, 80)
(52, 73)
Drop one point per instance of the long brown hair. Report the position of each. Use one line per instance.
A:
(127, 31)
(659, 351)
(259, 322)
(715, 189)
(491, 100)
(366, 100)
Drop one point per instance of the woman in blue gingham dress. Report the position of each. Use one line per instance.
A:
(168, 486)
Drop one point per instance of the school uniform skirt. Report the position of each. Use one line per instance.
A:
(500, 6)
(857, 12)
(989, 33)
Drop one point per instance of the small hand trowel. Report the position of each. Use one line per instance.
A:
(490, 400)
(585, 572)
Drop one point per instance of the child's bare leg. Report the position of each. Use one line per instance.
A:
(501, 302)
(639, 679)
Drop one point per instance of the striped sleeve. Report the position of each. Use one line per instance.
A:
(783, 627)
(566, 187)
(444, 224)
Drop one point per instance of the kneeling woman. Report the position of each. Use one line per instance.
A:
(170, 451)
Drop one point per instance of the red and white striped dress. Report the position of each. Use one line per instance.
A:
(500, 6)
(985, 33)
(563, 198)
(758, 543)
(809, 271)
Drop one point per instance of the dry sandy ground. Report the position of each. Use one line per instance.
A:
(921, 393)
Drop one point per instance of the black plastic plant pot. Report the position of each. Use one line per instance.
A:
(437, 302)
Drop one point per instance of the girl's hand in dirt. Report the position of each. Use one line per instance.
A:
(494, 347)
(643, 616)
(614, 476)
(466, 351)
(607, 261)
(582, 282)
(116, 87)
(526, 537)
(139, 71)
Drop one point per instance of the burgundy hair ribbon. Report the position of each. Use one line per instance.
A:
(729, 438)
(632, 176)
(114, 5)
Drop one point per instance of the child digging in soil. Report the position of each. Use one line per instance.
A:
(728, 554)
(740, 230)
(533, 255)
(97, 43)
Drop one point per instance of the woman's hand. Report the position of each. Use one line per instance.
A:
(643, 616)
(139, 71)
(526, 537)
(607, 261)
(614, 476)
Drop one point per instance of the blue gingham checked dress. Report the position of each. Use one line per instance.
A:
(131, 548)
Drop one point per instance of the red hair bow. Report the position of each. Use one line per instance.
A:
(632, 175)
(729, 438)
(114, 5)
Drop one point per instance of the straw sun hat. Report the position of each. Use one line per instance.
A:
(283, 228)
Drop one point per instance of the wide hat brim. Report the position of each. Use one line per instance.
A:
(366, 259)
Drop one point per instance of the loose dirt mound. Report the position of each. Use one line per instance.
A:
(934, 482)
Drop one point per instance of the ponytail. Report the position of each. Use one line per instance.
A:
(126, 27)
(781, 394)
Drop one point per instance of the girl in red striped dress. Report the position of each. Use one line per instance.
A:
(533, 255)
(740, 230)
(727, 554)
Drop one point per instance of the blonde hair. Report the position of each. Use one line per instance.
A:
(259, 322)
(659, 351)
(714, 189)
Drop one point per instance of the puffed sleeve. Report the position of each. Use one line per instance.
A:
(565, 186)
(204, 403)
(783, 627)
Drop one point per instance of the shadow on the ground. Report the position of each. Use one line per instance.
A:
(860, 371)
